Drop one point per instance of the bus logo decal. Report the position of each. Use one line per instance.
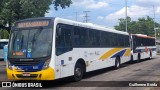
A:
(110, 53)
(120, 53)
(114, 52)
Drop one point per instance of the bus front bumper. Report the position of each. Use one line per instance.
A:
(47, 74)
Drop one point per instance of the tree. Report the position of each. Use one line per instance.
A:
(62, 3)
(122, 24)
(13, 10)
(4, 34)
(141, 26)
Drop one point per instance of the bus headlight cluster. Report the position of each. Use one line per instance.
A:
(46, 64)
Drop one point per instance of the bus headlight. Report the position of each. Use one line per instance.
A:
(9, 65)
(46, 64)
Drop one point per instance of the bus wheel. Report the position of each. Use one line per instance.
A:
(117, 62)
(132, 60)
(150, 56)
(139, 58)
(78, 72)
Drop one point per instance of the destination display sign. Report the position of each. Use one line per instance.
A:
(32, 24)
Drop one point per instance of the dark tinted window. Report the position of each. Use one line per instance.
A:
(68, 37)
(109, 39)
(94, 38)
(30, 43)
(105, 40)
(2, 44)
(139, 41)
(80, 37)
(63, 38)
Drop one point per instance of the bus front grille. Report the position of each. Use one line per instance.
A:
(26, 63)
(31, 76)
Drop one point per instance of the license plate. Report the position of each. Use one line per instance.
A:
(26, 74)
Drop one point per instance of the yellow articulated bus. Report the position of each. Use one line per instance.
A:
(52, 48)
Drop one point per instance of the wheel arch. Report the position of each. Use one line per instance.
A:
(82, 62)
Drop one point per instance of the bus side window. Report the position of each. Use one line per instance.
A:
(60, 43)
(1, 45)
(63, 39)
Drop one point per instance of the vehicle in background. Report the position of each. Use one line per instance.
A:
(158, 46)
(5, 52)
(142, 47)
(3, 42)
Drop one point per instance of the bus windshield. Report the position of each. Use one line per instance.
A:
(30, 43)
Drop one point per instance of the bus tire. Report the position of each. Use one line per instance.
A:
(150, 56)
(78, 72)
(132, 60)
(138, 57)
(117, 62)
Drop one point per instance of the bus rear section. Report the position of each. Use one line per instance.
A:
(143, 47)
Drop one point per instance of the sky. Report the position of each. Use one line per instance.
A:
(107, 12)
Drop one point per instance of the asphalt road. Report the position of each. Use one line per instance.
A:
(146, 70)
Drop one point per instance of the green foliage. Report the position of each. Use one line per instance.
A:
(62, 3)
(141, 26)
(13, 10)
(4, 34)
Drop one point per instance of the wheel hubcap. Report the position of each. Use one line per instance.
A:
(117, 63)
(150, 56)
(78, 72)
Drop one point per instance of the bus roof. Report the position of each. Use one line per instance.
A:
(4, 40)
(75, 23)
(37, 18)
(88, 25)
(142, 35)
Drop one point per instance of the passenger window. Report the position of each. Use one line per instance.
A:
(63, 39)
(2, 44)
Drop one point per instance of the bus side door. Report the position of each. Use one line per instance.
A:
(63, 49)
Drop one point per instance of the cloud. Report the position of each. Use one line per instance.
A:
(100, 17)
(98, 5)
(147, 3)
(107, 12)
(134, 12)
(91, 4)
(158, 10)
(70, 17)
